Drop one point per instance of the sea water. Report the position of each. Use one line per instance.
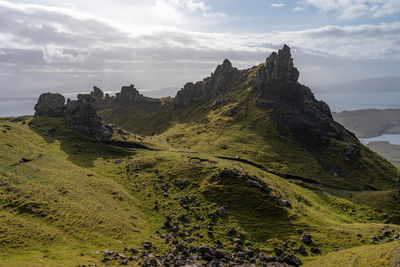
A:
(353, 101)
(391, 138)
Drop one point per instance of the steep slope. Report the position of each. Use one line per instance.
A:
(64, 197)
(265, 116)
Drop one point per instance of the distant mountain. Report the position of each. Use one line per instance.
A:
(389, 151)
(370, 122)
(164, 92)
(383, 84)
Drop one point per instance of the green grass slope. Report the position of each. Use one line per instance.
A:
(65, 197)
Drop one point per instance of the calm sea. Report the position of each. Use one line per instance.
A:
(15, 106)
(352, 101)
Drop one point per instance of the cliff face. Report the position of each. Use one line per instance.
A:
(220, 81)
(80, 114)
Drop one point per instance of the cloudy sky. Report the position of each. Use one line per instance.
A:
(68, 46)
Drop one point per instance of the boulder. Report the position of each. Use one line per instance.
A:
(51, 105)
(306, 238)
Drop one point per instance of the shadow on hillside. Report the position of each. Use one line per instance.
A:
(81, 150)
(257, 215)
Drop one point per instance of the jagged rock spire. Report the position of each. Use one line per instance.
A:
(224, 68)
(97, 93)
(279, 66)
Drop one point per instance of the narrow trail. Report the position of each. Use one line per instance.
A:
(259, 166)
(166, 147)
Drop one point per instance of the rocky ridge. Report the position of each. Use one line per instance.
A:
(128, 96)
(220, 81)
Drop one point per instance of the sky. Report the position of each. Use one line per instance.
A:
(69, 46)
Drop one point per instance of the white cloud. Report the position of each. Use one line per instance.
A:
(277, 5)
(350, 9)
(297, 9)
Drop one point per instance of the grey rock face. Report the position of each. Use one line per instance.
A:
(83, 117)
(50, 105)
(220, 81)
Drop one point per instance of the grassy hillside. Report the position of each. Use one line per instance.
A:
(65, 197)
(254, 134)
(371, 255)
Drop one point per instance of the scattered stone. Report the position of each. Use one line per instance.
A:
(290, 259)
(183, 218)
(302, 250)
(231, 231)
(306, 238)
(221, 211)
(147, 245)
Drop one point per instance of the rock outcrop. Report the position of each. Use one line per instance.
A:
(219, 81)
(129, 95)
(50, 105)
(277, 81)
(81, 114)
(97, 93)
(309, 121)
